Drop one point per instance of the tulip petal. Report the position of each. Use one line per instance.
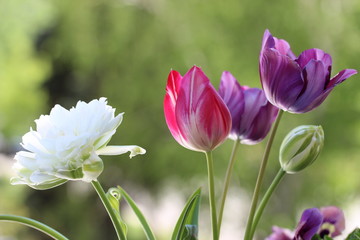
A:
(282, 46)
(314, 54)
(118, 150)
(201, 114)
(315, 75)
(172, 90)
(261, 123)
(281, 79)
(233, 96)
(267, 41)
(340, 77)
(254, 100)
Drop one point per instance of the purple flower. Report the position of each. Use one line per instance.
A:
(296, 85)
(252, 115)
(280, 234)
(309, 224)
(333, 223)
(326, 221)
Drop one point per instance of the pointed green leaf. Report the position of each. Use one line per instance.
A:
(147, 230)
(114, 197)
(186, 227)
(355, 235)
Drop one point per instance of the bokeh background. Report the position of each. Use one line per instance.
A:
(59, 52)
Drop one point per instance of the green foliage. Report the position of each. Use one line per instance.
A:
(187, 227)
(114, 197)
(317, 237)
(147, 230)
(354, 235)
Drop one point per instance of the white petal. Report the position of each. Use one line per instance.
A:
(117, 150)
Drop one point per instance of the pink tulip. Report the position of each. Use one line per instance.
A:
(196, 115)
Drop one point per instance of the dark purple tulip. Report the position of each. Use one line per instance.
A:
(309, 224)
(296, 85)
(252, 115)
(333, 223)
(280, 234)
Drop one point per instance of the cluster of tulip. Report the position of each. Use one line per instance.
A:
(67, 143)
(201, 118)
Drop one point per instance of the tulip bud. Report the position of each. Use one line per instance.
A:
(301, 147)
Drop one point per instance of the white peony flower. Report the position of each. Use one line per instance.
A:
(66, 145)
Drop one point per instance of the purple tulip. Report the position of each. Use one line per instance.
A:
(251, 113)
(296, 85)
(309, 224)
(333, 223)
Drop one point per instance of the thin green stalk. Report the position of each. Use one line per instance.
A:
(261, 176)
(266, 199)
(117, 225)
(210, 167)
(227, 181)
(34, 224)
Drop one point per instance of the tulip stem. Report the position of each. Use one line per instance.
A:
(34, 224)
(112, 214)
(260, 176)
(210, 167)
(227, 181)
(265, 200)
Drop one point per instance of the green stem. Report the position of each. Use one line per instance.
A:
(261, 176)
(227, 182)
(117, 225)
(210, 167)
(34, 224)
(266, 199)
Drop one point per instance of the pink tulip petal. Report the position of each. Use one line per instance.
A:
(172, 89)
(201, 114)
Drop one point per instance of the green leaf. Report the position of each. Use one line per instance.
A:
(191, 232)
(114, 197)
(186, 227)
(147, 230)
(355, 235)
(317, 237)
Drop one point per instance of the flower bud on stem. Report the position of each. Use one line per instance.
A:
(301, 147)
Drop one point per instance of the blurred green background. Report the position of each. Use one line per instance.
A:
(59, 52)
